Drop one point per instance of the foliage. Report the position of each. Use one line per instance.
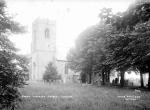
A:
(119, 41)
(51, 73)
(128, 45)
(7, 24)
(11, 78)
(89, 52)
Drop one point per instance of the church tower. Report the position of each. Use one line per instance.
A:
(43, 46)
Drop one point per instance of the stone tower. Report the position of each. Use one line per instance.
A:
(43, 46)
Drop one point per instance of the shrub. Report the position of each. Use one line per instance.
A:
(51, 73)
(11, 78)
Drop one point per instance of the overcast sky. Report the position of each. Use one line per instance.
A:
(72, 18)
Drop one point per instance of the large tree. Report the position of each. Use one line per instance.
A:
(10, 75)
(119, 41)
(128, 45)
(89, 52)
(82, 55)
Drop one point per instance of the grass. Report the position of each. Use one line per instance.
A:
(82, 97)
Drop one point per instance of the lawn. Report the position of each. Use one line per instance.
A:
(40, 96)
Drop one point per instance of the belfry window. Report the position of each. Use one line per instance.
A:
(47, 34)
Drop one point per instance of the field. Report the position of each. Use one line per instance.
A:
(40, 96)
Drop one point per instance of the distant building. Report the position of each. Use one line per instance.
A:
(44, 49)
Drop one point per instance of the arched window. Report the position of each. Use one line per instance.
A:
(47, 34)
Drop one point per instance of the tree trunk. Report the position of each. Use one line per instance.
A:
(90, 78)
(122, 78)
(149, 77)
(149, 80)
(103, 78)
(91, 70)
(83, 78)
(93, 77)
(141, 77)
(108, 76)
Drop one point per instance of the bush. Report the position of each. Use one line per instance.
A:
(11, 78)
(51, 73)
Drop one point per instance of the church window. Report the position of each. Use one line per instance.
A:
(47, 34)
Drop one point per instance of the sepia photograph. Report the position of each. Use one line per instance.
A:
(75, 55)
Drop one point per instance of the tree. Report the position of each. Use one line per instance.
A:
(128, 44)
(51, 74)
(22, 63)
(119, 41)
(81, 56)
(10, 76)
(89, 53)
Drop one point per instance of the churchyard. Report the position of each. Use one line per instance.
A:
(44, 96)
(106, 39)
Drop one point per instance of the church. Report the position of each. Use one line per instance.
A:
(44, 50)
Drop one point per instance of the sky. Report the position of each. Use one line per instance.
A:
(72, 18)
